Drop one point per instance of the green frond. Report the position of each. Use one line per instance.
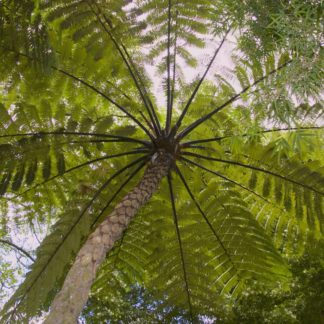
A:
(291, 212)
(82, 110)
(152, 243)
(54, 255)
(52, 259)
(33, 158)
(22, 28)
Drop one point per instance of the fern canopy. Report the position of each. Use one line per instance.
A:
(90, 90)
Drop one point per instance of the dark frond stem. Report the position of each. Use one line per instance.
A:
(91, 141)
(195, 124)
(253, 168)
(106, 157)
(109, 33)
(63, 133)
(215, 139)
(175, 220)
(110, 100)
(122, 186)
(93, 88)
(168, 117)
(147, 121)
(40, 147)
(174, 70)
(18, 248)
(100, 141)
(229, 180)
(206, 220)
(77, 221)
(49, 145)
(145, 93)
(200, 147)
(179, 121)
(108, 81)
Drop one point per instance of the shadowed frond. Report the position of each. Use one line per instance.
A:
(91, 92)
(22, 28)
(41, 155)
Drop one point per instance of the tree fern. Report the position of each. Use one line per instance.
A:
(79, 119)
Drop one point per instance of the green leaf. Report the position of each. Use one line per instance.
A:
(60, 163)
(125, 130)
(31, 172)
(18, 178)
(47, 168)
(4, 183)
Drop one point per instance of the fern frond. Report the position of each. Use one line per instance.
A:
(55, 253)
(22, 28)
(297, 199)
(22, 159)
(183, 263)
(191, 127)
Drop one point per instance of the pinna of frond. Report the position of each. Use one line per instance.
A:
(173, 207)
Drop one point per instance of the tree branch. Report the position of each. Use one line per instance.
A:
(149, 102)
(21, 250)
(169, 113)
(174, 72)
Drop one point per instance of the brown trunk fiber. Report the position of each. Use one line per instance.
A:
(69, 302)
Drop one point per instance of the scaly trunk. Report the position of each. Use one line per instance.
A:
(69, 302)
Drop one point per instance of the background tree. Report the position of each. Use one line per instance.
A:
(243, 182)
(300, 302)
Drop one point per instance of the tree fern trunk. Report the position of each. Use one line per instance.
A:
(69, 302)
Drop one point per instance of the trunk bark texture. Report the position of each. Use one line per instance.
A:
(69, 302)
